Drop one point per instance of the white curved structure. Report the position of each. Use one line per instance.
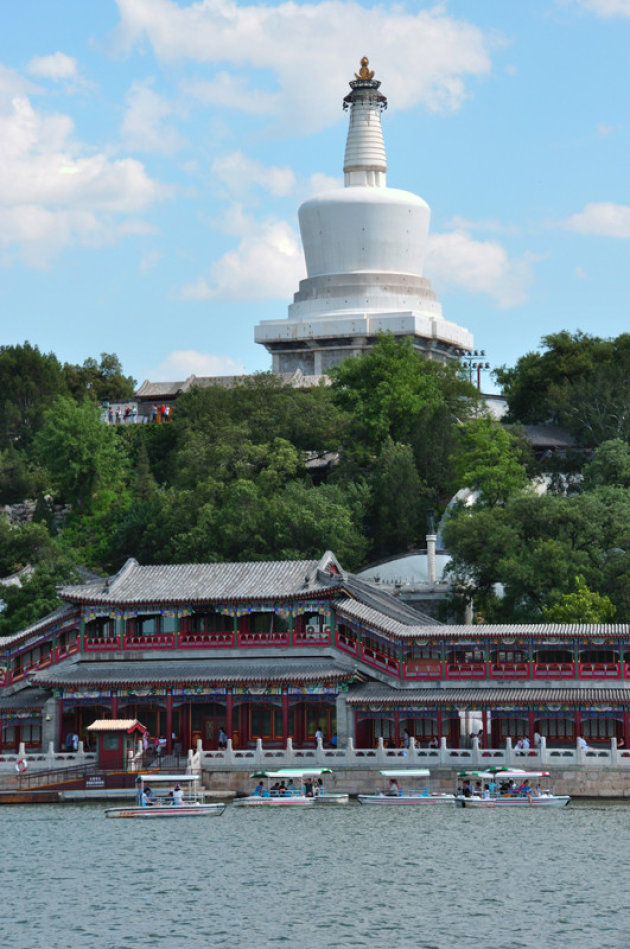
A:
(364, 247)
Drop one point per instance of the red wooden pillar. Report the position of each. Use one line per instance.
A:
(229, 712)
(169, 723)
(439, 725)
(626, 728)
(114, 698)
(285, 718)
(578, 723)
(397, 728)
(531, 716)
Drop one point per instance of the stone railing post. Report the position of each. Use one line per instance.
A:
(380, 752)
(50, 755)
(258, 753)
(350, 751)
(614, 757)
(229, 752)
(475, 751)
(579, 752)
(542, 750)
(288, 753)
(81, 750)
(509, 753)
(443, 750)
(319, 751)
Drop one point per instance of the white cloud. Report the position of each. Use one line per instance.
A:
(55, 191)
(145, 125)
(305, 53)
(606, 8)
(266, 265)
(600, 219)
(57, 66)
(231, 92)
(182, 363)
(240, 173)
(319, 182)
(457, 260)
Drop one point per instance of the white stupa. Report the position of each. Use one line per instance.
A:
(364, 247)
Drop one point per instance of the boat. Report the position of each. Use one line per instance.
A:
(285, 793)
(321, 794)
(167, 795)
(396, 793)
(504, 787)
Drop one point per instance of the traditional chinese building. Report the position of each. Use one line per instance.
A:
(282, 649)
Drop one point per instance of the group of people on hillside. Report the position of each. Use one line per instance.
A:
(128, 415)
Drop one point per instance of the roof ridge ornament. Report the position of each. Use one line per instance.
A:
(364, 72)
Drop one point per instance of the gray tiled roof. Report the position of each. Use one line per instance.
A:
(24, 699)
(504, 634)
(374, 692)
(206, 582)
(49, 620)
(384, 604)
(192, 671)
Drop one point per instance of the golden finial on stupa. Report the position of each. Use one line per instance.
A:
(364, 72)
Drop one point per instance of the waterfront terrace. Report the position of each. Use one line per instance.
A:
(273, 651)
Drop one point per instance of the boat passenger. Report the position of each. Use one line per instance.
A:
(486, 792)
(478, 789)
(259, 789)
(308, 787)
(139, 794)
(394, 788)
(291, 789)
(178, 795)
(466, 789)
(320, 787)
(149, 796)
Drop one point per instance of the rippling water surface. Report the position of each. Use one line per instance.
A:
(410, 878)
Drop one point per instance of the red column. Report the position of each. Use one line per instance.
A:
(439, 725)
(578, 723)
(397, 728)
(285, 718)
(229, 713)
(114, 698)
(169, 723)
(531, 715)
(626, 728)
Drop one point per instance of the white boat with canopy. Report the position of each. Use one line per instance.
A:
(293, 787)
(503, 787)
(406, 786)
(167, 795)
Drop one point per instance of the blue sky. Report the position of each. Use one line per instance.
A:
(153, 155)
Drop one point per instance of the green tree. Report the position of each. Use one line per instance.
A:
(102, 381)
(610, 465)
(519, 557)
(579, 381)
(580, 606)
(388, 388)
(398, 503)
(490, 461)
(29, 382)
(83, 456)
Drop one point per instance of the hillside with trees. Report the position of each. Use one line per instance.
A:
(228, 477)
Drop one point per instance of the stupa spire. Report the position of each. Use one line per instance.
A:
(365, 162)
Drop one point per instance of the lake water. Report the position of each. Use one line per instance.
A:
(410, 878)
